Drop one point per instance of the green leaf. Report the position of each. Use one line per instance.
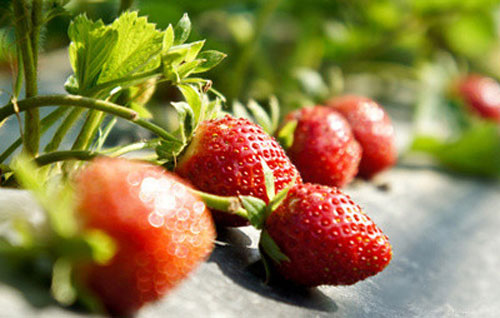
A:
(193, 98)
(188, 68)
(91, 46)
(137, 49)
(268, 180)
(182, 30)
(286, 134)
(168, 39)
(185, 118)
(256, 210)
(211, 59)
(194, 49)
(271, 249)
(476, 151)
(261, 116)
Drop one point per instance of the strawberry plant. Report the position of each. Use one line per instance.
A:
(118, 234)
(124, 231)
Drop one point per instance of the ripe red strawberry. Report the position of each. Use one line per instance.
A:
(328, 239)
(324, 149)
(373, 129)
(162, 231)
(224, 158)
(482, 95)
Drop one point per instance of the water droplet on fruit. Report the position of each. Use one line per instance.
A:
(155, 219)
(134, 178)
(148, 188)
(199, 207)
(182, 214)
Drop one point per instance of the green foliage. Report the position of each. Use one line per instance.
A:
(476, 151)
(63, 243)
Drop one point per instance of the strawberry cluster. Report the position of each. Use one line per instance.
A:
(349, 136)
(313, 234)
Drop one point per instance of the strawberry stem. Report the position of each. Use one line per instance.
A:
(56, 156)
(230, 205)
(22, 26)
(86, 102)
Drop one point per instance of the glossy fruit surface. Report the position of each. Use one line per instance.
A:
(373, 129)
(327, 237)
(161, 230)
(324, 149)
(224, 158)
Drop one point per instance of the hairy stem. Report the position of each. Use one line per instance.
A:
(57, 156)
(36, 26)
(90, 103)
(89, 129)
(31, 120)
(63, 129)
(45, 124)
(121, 150)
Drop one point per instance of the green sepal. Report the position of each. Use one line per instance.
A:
(275, 113)
(169, 150)
(261, 116)
(185, 118)
(286, 134)
(268, 180)
(271, 249)
(213, 109)
(240, 111)
(278, 198)
(256, 210)
(182, 30)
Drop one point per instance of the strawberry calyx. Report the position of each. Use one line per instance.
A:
(256, 211)
(285, 135)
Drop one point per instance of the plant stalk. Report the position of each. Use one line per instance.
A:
(90, 103)
(45, 123)
(31, 120)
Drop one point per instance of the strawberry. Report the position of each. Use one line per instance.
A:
(327, 238)
(224, 158)
(162, 231)
(481, 95)
(323, 149)
(373, 129)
